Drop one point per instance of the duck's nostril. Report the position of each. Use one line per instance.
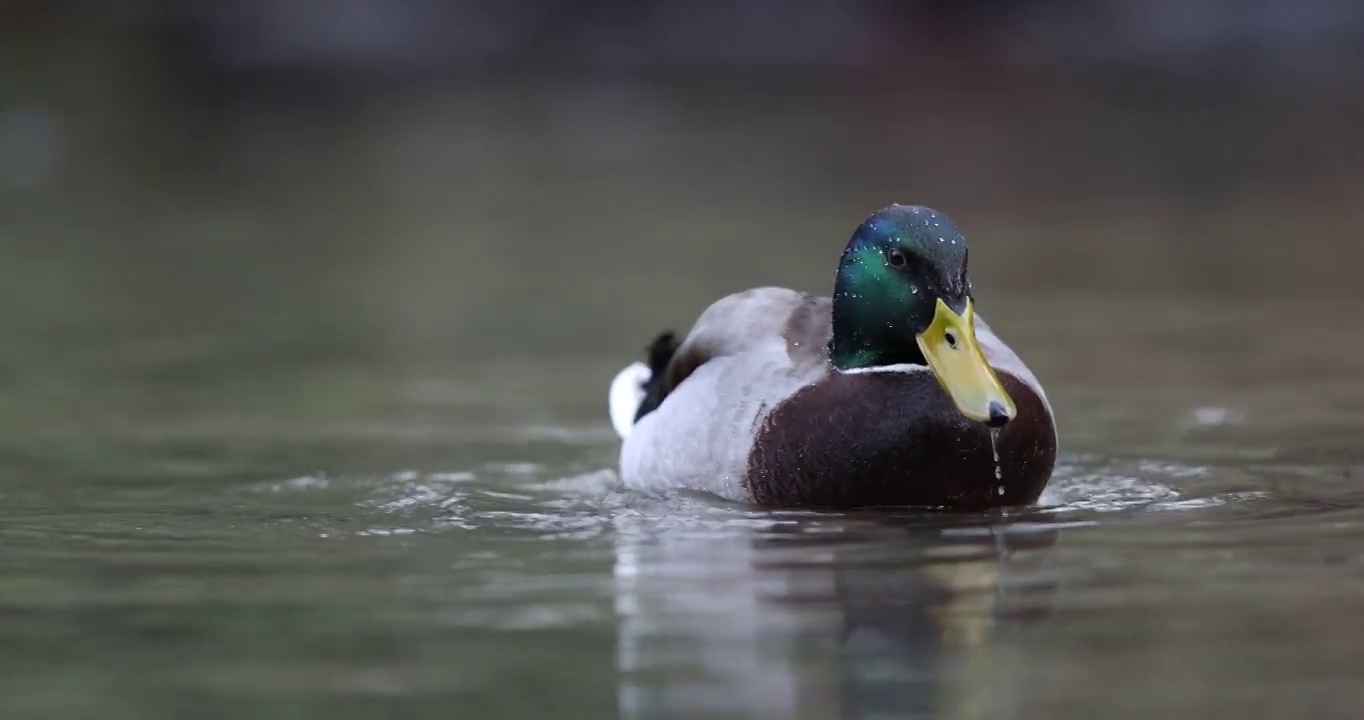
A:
(998, 417)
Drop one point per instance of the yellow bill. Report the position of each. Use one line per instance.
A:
(955, 358)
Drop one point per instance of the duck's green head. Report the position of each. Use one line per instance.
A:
(902, 297)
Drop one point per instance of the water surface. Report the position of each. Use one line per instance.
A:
(312, 423)
(1189, 559)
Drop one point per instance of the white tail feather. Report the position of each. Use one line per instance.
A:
(627, 392)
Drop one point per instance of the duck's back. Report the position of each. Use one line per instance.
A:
(745, 354)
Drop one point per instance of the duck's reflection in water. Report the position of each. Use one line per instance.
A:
(871, 616)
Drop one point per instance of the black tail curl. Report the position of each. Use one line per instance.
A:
(660, 352)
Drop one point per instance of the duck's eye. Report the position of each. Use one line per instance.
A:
(896, 257)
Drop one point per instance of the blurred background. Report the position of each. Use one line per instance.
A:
(235, 203)
(308, 310)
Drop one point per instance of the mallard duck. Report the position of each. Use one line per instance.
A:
(891, 392)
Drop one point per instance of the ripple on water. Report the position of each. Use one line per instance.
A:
(531, 497)
(1097, 485)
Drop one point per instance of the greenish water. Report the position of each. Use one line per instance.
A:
(434, 569)
(209, 549)
(305, 417)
